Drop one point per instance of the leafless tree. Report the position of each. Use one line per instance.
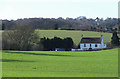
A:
(20, 38)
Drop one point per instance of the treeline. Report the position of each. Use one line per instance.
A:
(56, 42)
(79, 23)
(25, 38)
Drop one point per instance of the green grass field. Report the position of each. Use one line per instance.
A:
(75, 35)
(60, 64)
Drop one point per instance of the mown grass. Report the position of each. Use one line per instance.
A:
(75, 35)
(60, 64)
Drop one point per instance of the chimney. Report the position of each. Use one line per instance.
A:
(102, 43)
(81, 36)
(101, 36)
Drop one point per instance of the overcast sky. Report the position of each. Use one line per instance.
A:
(14, 9)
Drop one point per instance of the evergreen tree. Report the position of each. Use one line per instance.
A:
(56, 26)
(115, 39)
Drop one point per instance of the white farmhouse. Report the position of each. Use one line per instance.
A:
(92, 43)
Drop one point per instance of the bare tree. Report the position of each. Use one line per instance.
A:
(20, 37)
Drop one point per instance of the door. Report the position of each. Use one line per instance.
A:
(90, 47)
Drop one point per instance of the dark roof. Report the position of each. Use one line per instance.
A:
(90, 40)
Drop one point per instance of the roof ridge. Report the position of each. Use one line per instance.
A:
(91, 37)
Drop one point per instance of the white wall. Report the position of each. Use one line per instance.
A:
(76, 50)
(92, 46)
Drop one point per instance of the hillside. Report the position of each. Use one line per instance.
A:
(75, 35)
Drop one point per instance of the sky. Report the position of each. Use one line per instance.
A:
(17, 9)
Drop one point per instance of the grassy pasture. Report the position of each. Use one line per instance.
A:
(60, 64)
(75, 35)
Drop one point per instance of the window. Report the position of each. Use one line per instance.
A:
(84, 45)
(95, 45)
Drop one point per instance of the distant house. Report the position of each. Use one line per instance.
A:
(91, 43)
